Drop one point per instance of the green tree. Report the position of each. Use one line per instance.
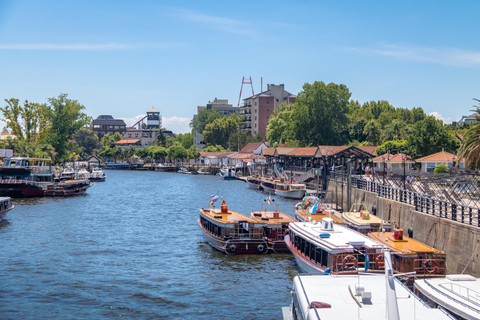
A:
(66, 118)
(280, 126)
(11, 113)
(430, 136)
(176, 151)
(400, 145)
(88, 140)
(321, 114)
(372, 130)
(470, 147)
(217, 148)
(185, 139)
(441, 168)
(203, 118)
(220, 130)
(394, 131)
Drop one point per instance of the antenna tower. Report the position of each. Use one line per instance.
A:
(245, 81)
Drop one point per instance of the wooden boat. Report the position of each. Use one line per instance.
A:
(360, 219)
(67, 188)
(269, 185)
(5, 206)
(231, 232)
(254, 182)
(165, 168)
(459, 294)
(323, 247)
(290, 190)
(307, 211)
(381, 296)
(410, 255)
(275, 225)
(25, 176)
(97, 175)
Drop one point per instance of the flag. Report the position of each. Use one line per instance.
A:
(314, 208)
(367, 263)
(213, 198)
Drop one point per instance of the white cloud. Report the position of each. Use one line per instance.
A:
(175, 124)
(439, 116)
(88, 46)
(447, 56)
(220, 23)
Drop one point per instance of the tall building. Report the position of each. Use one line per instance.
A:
(225, 110)
(257, 109)
(107, 124)
(154, 119)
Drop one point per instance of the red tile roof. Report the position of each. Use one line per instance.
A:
(393, 158)
(216, 154)
(439, 156)
(370, 149)
(250, 147)
(128, 141)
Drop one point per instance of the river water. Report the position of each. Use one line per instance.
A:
(131, 247)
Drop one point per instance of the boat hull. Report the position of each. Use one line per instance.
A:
(278, 246)
(235, 246)
(97, 179)
(68, 189)
(291, 194)
(304, 264)
(268, 188)
(20, 190)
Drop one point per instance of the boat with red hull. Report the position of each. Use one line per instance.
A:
(231, 232)
(25, 177)
(67, 188)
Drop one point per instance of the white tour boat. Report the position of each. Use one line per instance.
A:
(290, 190)
(97, 175)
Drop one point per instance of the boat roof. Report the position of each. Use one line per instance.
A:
(30, 159)
(340, 239)
(318, 216)
(405, 246)
(283, 218)
(463, 300)
(360, 218)
(226, 217)
(291, 184)
(335, 290)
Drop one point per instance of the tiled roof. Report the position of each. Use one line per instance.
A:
(370, 149)
(303, 152)
(250, 147)
(332, 150)
(128, 141)
(216, 154)
(268, 151)
(439, 156)
(393, 158)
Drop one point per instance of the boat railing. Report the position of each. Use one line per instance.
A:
(469, 294)
(431, 267)
(451, 297)
(41, 184)
(356, 262)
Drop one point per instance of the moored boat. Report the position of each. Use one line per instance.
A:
(381, 296)
(311, 208)
(323, 247)
(290, 190)
(25, 176)
(269, 185)
(459, 294)
(254, 182)
(183, 170)
(5, 206)
(204, 170)
(410, 255)
(360, 219)
(275, 225)
(231, 232)
(67, 173)
(228, 173)
(97, 175)
(83, 174)
(67, 188)
(165, 167)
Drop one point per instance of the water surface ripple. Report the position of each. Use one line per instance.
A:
(132, 248)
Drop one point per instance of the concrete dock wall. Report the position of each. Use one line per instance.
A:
(459, 241)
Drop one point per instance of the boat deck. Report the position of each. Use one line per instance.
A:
(362, 218)
(227, 217)
(268, 217)
(405, 246)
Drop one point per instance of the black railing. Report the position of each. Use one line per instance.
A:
(422, 202)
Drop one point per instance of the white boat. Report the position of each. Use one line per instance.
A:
(268, 185)
(228, 173)
(204, 171)
(67, 174)
(183, 170)
(357, 297)
(457, 293)
(290, 190)
(5, 206)
(83, 174)
(254, 182)
(360, 219)
(97, 175)
(325, 247)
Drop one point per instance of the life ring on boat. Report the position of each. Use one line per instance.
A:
(232, 248)
(349, 263)
(260, 248)
(430, 266)
(34, 169)
(380, 262)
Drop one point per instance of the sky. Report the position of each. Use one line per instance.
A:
(122, 58)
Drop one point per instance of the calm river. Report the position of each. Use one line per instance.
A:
(132, 248)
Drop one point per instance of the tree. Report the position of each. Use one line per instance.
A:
(66, 119)
(441, 168)
(372, 130)
(88, 140)
(220, 130)
(430, 136)
(280, 127)
(400, 145)
(176, 151)
(203, 118)
(217, 148)
(394, 131)
(11, 113)
(321, 114)
(470, 147)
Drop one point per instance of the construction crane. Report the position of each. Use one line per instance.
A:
(245, 81)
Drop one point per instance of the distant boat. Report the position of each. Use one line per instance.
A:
(228, 174)
(254, 182)
(231, 232)
(311, 209)
(67, 188)
(204, 171)
(165, 168)
(67, 173)
(117, 166)
(183, 170)
(5, 206)
(360, 219)
(97, 175)
(290, 190)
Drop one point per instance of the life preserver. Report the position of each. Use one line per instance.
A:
(232, 248)
(349, 263)
(34, 169)
(260, 247)
(430, 266)
(380, 262)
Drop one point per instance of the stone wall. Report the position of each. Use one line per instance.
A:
(459, 241)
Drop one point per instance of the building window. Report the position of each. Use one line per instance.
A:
(277, 99)
(268, 109)
(255, 102)
(255, 118)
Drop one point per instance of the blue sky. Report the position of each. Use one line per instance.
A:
(125, 57)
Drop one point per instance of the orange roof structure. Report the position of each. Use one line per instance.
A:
(216, 154)
(439, 157)
(393, 158)
(250, 147)
(128, 141)
(370, 149)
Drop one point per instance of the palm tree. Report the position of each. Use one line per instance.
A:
(394, 131)
(470, 147)
(372, 130)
